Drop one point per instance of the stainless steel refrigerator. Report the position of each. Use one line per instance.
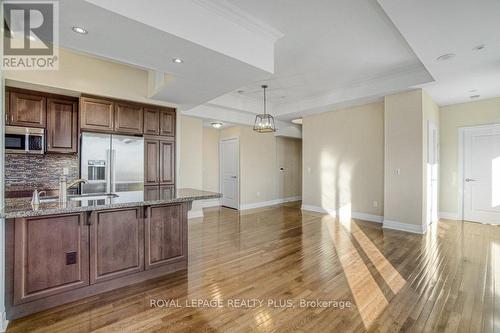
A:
(112, 163)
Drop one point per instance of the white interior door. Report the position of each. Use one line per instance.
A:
(230, 173)
(481, 181)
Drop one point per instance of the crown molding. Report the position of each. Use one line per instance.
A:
(228, 11)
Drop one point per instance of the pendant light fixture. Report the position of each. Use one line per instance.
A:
(264, 122)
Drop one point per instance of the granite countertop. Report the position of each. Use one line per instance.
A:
(21, 207)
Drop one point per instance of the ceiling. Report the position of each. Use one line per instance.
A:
(434, 28)
(316, 55)
(150, 36)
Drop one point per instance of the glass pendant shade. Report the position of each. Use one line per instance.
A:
(264, 122)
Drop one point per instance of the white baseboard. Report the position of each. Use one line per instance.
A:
(367, 217)
(449, 215)
(354, 215)
(269, 203)
(3, 322)
(413, 228)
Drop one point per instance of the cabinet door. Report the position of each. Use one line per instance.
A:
(50, 257)
(152, 121)
(116, 244)
(167, 192)
(151, 162)
(165, 235)
(27, 110)
(96, 114)
(7, 107)
(62, 126)
(128, 118)
(167, 122)
(167, 162)
(151, 192)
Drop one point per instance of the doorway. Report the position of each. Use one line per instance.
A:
(230, 172)
(480, 173)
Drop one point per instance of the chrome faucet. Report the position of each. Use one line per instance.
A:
(64, 187)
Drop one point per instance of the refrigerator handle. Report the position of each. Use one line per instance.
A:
(113, 171)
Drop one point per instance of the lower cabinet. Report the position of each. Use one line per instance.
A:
(51, 256)
(52, 260)
(165, 235)
(116, 243)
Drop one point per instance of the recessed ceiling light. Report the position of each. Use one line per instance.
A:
(479, 47)
(475, 96)
(216, 124)
(80, 30)
(178, 60)
(297, 121)
(446, 56)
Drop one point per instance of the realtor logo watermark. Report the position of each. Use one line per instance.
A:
(31, 35)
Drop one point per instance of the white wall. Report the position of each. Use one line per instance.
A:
(451, 119)
(343, 160)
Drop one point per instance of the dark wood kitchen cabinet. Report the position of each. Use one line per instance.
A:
(167, 162)
(167, 122)
(159, 162)
(128, 118)
(116, 243)
(62, 126)
(165, 235)
(151, 162)
(151, 121)
(50, 257)
(97, 114)
(27, 109)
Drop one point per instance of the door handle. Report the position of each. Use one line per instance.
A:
(468, 180)
(234, 177)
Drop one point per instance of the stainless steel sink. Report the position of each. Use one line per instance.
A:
(82, 197)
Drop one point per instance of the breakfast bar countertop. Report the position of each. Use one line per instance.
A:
(21, 207)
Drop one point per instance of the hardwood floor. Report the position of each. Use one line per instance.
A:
(447, 280)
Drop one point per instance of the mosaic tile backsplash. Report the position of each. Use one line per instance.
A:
(27, 172)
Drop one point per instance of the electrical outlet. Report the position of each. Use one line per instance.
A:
(258, 194)
(308, 170)
(397, 171)
(375, 203)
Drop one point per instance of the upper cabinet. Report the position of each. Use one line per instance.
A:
(128, 118)
(167, 122)
(27, 110)
(151, 121)
(62, 126)
(96, 114)
(117, 116)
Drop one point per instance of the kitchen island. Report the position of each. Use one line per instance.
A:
(61, 252)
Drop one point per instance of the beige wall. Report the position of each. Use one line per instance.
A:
(289, 157)
(87, 74)
(259, 171)
(191, 152)
(343, 159)
(211, 159)
(451, 119)
(403, 118)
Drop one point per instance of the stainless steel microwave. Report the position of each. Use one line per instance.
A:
(24, 140)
